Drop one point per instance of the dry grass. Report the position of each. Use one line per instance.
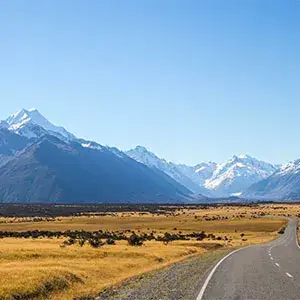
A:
(42, 269)
(28, 265)
(146, 223)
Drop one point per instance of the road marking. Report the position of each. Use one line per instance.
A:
(200, 296)
(289, 275)
(278, 242)
(286, 236)
(269, 254)
(271, 258)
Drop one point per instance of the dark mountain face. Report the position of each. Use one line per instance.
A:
(57, 172)
(11, 142)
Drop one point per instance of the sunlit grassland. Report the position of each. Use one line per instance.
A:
(41, 268)
(26, 266)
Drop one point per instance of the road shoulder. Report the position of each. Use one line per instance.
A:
(182, 280)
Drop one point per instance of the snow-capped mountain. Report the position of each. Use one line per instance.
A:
(210, 179)
(31, 124)
(41, 162)
(191, 177)
(205, 171)
(281, 185)
(237, 174)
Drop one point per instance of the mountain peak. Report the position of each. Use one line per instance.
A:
(143, 155)
(26, 121)
(24, 116)
(238, 173)
(141, 148)
(243, 156)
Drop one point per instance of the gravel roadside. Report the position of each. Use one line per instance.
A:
(182, 280)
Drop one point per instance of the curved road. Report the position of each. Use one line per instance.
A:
(269, 271)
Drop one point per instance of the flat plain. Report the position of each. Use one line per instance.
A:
(77, 257)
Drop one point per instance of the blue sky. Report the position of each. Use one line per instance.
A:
(190, 80)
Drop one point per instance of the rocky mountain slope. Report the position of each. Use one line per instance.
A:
(283, 184)
(210, 179)
(237, 174)
(32, 124)
(41, 162)
(29, 143)
(190, 177)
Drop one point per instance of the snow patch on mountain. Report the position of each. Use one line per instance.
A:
(290, 168)
(207, 178)
(91, 145)
(284, 184)
(32, 124)
(185, 175)
(237, 174)
(211, 179)
(205, 170)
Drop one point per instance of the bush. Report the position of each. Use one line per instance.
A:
(211, 236)
(110, 241)
(135, 240)
(200, 236)
(81, 242)
(70, 242)
(95, 243)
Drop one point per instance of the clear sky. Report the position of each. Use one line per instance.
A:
(190, 80)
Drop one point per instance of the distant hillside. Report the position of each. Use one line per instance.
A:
(49, 165)
(42, 162)
(282, 185)
(226, 179)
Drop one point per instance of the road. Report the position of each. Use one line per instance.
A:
(269, 271)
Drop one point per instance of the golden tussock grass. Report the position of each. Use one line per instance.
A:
(37, 267)
(41, 269)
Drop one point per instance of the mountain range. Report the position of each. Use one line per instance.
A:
(211, 179)
(42, 162)
(282, 184)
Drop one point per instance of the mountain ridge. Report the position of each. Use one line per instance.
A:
(20, 121)
(234, 177)
(209, 178)
(51, 165)
(281, 185)
(180, 173)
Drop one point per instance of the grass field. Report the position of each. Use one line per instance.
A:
(43, 269)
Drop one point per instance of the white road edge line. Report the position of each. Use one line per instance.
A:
(200, 296)
(202, 291)
(289, 275)
(277, 264)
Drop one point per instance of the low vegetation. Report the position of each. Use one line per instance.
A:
(77, 256)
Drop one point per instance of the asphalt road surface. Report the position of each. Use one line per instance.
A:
(269, 271)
